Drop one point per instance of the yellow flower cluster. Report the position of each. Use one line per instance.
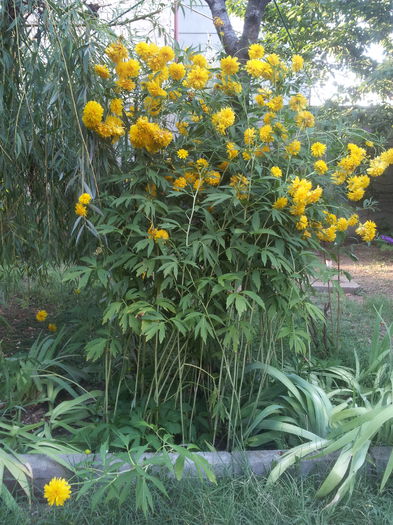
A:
(302, 194)
(348, 164)
(356, 186)
(223, 119)
(149, 135)
(367, 231)
(81, 205)
(157, 235)
(166, 85)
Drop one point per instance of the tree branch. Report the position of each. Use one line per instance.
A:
(252, 24)
(225, 32)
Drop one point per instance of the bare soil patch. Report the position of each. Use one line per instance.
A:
(373, 269)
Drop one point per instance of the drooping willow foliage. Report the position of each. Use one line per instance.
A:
(46, 52)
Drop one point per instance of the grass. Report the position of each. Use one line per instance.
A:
(243, 501)
(350, 328)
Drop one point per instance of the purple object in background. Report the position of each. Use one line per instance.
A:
(386, 238)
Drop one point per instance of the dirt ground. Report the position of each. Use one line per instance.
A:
(373, 270)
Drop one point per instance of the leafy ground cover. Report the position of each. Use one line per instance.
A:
(244, 501)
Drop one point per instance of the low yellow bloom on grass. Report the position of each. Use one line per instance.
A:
(52, 327)
(57, 491)
(41, 315)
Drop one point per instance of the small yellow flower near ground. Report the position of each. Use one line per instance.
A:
(182, 153)
(57, 491)
(87, 451)
(41, 315)
(85, 198)
(369, 143)
(276, 171)
(52, 327)
(80, 209)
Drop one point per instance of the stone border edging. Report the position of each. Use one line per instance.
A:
(259, 462)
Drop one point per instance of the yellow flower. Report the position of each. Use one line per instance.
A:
(179, 183)
(157, 235)
(177, 71)
(92, 114)
(297, 63)
(182, 153)
(298, 102)
(305, 119)
(280, 203)
(302, 223)
(182, 127)
(256, 51)
(223, 119)
(318, 149)
(130, 68)
(268, 117)
(57, 491)
(266, 133)
(387, 156)
(85, 198)
(369, 143)
(201, 163)
(355, 195)
(377, 167)
(276, 171)
(293, 148)
(197, 77)
(213, 178)
(217, 21)
(116, 52)
(232, 150)
(166, 54)
(125, 83)
(320, 167)
(102, 71)
(249, 136)
(41, 315)
(342, 224)
(116, 106)
(256, 68)
(229, 65)
(353, 220)
(80, 210)
(276, 103)
(273, 59)
(367, 230)
(52, 327)
(149, 135)
(199, 60)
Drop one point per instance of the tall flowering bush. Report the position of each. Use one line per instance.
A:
(208, 223)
